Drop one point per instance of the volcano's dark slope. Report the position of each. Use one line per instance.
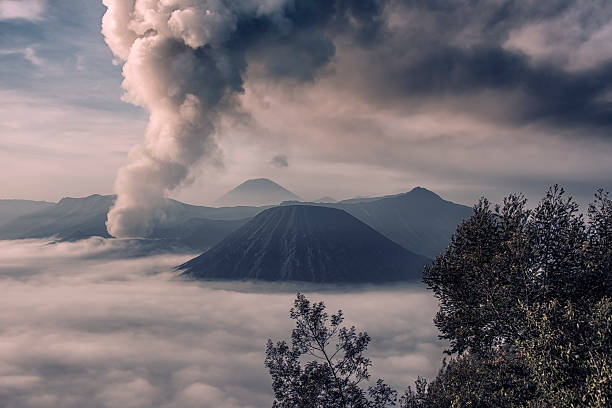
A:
(306, 243)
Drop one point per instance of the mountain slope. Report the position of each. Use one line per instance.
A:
(188, 226)
(70, 216)
(10, 209)
(306, 243)
(256, 192)
(418, 220)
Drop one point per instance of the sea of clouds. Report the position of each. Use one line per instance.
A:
(81, 325)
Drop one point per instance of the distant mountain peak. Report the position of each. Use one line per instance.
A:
(422, 191)
(419, 189)
(258, 191)
(15, 208)
(261, 180)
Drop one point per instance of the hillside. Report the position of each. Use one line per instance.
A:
(306, 243)
(11, 209)
(69, 217)
(419, 220)
(187, 226)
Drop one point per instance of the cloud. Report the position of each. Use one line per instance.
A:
(31, 10)
(455, 51)
(28, 53)
(465, 98)
(280, 161)
(439, 98)
(81, 328)
(576, 39)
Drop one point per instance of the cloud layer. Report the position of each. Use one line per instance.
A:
(463, 97)
(83, 328)
(22, 9)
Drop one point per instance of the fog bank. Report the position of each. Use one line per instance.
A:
(81, 328)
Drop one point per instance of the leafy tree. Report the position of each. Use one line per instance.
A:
(568, 355)
(485, 268)
(525, 304)
(324, 365)
(599, 248)
(471, 380)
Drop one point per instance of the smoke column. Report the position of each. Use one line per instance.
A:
(176, 69)
(184, 61)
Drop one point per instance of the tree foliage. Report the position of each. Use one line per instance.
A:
(325, 365)
(525, 305)
(568, 354)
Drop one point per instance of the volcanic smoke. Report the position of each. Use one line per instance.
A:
(184, 62)
(177, 69)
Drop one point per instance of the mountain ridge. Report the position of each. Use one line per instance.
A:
(73, 218)
(419, 220)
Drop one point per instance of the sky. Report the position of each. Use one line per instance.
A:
(466, 98)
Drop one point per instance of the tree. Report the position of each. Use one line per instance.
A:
(525, 303)
(503, 259)
(472, 380)
(484, 269)
(599, 248)
(310, 372)
(568, 354)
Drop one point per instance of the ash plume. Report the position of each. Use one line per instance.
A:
(184, 62)
(175, 70)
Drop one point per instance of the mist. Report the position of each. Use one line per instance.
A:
(82, 326)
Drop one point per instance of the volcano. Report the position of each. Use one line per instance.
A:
(306, 243)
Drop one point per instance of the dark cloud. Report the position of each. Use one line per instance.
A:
(280, 161)
(437, 48)
(297, 41)
(547, 92)
(418, 51)
(430, 51)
